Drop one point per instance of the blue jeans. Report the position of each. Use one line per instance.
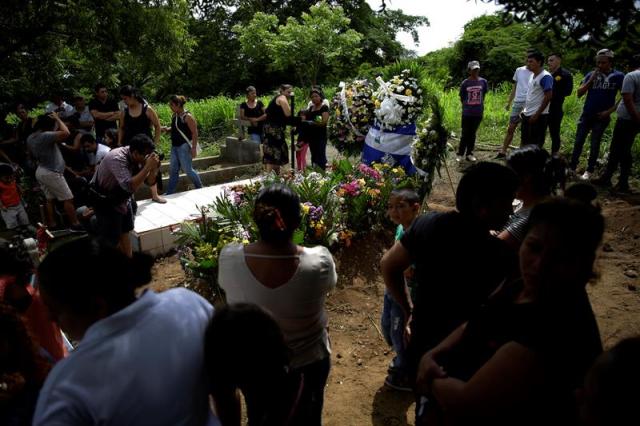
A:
(586, 124)
(181, 159)
(392, 322)
(254, 137)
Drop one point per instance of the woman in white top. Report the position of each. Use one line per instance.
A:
(291, 283)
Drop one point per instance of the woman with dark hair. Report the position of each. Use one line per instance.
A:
(274, 147)
(271, 390)
(140, 359)
(535, 169)
(520, 359)
(111, 138)
(290, 282)
(252, 110)
(22, 370)
(137, 118)
(315, 128)
(184, 143)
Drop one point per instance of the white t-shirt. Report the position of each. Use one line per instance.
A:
(64, 110)
(521, 77)
(101, 152)
(143, 365)
(538, 86)
(297, 306)
(630, 84)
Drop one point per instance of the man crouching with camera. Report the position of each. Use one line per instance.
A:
(122, 171)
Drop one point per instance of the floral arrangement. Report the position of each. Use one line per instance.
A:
(364, 192)
(200, 242)
(337, 207)
(352, 115)
(398, 102)
(429, 148)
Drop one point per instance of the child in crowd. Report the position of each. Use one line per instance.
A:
(271, 389)
(111, 138)
(11, 207)
(403, 208)
(302, 145)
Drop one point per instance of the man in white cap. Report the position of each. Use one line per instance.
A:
(601, 87)
(472, 92)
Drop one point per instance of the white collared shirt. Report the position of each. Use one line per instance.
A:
(142, 365)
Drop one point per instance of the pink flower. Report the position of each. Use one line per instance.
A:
(369, 171)
(352, 188)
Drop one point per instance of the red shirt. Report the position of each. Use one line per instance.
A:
(9, 195)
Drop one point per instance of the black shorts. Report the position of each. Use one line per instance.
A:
(111, 223)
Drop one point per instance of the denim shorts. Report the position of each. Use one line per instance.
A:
(516, 110)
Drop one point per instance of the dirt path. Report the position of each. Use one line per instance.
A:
(355, 395)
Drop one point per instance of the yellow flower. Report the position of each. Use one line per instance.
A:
(377, 103)
(338, 112)
(377, 166)
(408, 92)
(361, 182)
(305, 208)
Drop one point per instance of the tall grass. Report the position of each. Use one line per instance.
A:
(495, 120)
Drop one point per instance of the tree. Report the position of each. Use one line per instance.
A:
(501, 48)
(579, 19)
(320, 40)
(67, 45)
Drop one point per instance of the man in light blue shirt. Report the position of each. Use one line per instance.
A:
(601, 87)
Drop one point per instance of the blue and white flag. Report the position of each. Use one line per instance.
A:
(383, 146)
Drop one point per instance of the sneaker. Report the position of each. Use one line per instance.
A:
(586, 176)
(459, 158)
(398, 382)
(471, 158)
(500, 156)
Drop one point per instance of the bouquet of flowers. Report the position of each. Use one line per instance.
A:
(398, 102)
(429, 148)
(352, 115)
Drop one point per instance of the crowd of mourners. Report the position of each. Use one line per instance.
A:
(536, 103)
(485, 307)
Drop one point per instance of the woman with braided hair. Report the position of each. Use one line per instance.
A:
(290, 282)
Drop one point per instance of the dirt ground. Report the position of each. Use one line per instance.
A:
(355, 394)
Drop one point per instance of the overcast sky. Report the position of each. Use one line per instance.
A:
(447, 18)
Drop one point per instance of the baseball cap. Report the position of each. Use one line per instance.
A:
(607, 53)
(473, 65)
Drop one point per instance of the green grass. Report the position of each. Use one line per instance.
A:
(496, 118)
(215, 118)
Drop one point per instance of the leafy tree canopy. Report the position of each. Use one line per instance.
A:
(592, 20)
(320, 39)
(64, 45)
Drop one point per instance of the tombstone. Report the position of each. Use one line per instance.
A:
(239, 149)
